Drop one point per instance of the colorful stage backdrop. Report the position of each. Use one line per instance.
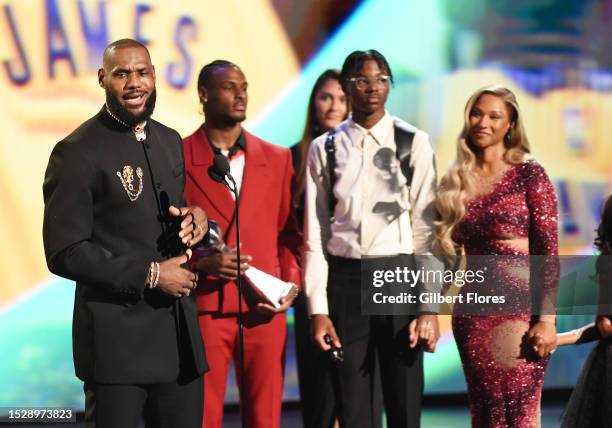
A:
(555, 55)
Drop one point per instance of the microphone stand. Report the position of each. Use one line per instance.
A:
(234, 190)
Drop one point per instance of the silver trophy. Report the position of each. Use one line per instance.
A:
(267, 286)
(215, 238)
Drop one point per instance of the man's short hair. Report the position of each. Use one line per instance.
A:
(207, 71)
(354, 62)
(121, 44)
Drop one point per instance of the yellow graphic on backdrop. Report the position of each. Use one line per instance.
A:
(50, 52)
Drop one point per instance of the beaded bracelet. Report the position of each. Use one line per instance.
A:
(151, 275)
(156, 282)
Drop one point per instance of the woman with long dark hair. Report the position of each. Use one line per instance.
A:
(327, 107)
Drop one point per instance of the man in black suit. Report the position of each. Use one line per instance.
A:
(111, 224)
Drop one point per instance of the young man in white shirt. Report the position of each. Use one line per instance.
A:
(381, 213)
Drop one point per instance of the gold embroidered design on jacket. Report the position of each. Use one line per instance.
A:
(127, 179)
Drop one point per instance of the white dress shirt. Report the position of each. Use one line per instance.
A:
(236, 164)
(376, 213)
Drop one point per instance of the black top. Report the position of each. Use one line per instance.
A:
(239, 144)
(106, 219)
(299, 209)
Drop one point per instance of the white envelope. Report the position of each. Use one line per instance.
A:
(268, 286)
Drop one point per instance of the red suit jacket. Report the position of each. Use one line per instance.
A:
(268, 229)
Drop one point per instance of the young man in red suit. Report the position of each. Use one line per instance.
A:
(269, 241)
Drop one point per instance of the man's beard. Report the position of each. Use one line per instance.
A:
(124, 115)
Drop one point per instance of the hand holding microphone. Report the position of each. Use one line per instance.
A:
(335, 353)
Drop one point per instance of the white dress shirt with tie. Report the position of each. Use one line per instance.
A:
(377, 213)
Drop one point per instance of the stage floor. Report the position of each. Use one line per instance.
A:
(438, 417)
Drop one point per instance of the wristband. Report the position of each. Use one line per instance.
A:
(156, 281)
(151, 275)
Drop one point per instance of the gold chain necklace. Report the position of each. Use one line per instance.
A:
(138, 130)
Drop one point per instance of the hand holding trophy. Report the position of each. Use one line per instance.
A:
(272, 290)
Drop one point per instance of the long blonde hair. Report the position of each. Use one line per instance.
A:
(460, 180)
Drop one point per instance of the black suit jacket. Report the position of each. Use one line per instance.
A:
(96, 235)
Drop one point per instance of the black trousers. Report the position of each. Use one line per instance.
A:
(372, 344)
(171, 405)
(317, 400)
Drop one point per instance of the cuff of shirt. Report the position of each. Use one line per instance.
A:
(317, 305)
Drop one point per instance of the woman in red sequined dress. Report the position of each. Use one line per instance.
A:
(496, 202)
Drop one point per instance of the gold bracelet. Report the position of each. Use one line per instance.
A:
(151, 275)
(156, 282)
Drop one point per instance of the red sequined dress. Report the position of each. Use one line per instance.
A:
(504, 376)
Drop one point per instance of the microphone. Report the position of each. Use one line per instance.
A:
(220, 169)
(221, 164)
(212, 173)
